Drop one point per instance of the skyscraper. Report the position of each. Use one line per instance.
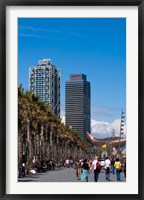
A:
(44, 82)
(77, 109)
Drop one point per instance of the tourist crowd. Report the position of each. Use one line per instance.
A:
(85, 166)
(82, 166)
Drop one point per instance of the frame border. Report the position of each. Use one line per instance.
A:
(3, 5)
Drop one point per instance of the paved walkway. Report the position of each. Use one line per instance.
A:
(65, 175)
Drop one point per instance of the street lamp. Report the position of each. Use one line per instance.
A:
(41, 143)
(28, 134)
(50, 145)
(57, 148)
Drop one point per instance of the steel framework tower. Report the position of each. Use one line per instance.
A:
(44, 82)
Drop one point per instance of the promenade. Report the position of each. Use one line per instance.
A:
(65, 175)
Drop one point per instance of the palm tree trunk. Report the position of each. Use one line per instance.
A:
(20, 147)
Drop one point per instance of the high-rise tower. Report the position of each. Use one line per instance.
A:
(44, 82)
(77, 109)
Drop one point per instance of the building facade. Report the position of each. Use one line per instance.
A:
(44, 82)
(77, 107)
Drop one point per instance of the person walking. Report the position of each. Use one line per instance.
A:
(102, 164)
(67, 164)
(90, 165)
(96, 167)
(107, 169)
(124, 167)
(85, 171)
(112, 165)
(117, 166)
(71, 163)
(78, 169)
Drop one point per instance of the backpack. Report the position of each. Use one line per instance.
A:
(98, 165)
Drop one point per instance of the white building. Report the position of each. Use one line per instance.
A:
(44, 82)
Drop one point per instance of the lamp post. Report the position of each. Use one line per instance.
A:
(28, 147)
(50, 145)
(41, 143)
(57, 149)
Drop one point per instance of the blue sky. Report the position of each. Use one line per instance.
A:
(92, 46)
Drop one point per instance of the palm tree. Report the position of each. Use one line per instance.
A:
(41, 134)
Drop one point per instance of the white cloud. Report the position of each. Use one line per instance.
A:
(63, 117)
(29, 35)
(99, 127)
(102, 129)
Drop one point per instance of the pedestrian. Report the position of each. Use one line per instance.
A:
(90, 165)
(78, 169)
(107, 169)
(96, 168)
(32, 172)
(81, 161)
(71, 163)
(53, 165)
(117, 166)
(102, 164)
(67, 163)
(23, 170)
(112, 165)
(50, 164)
(85, 171)
(124, 167)
(20, 174)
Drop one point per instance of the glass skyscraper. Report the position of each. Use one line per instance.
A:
(44, 82)
(77, 107)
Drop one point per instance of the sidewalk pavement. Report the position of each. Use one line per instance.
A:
(66, 175)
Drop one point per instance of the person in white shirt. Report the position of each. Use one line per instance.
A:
(96, 170)
(107, 168)
(32, 172)
(67, 163)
